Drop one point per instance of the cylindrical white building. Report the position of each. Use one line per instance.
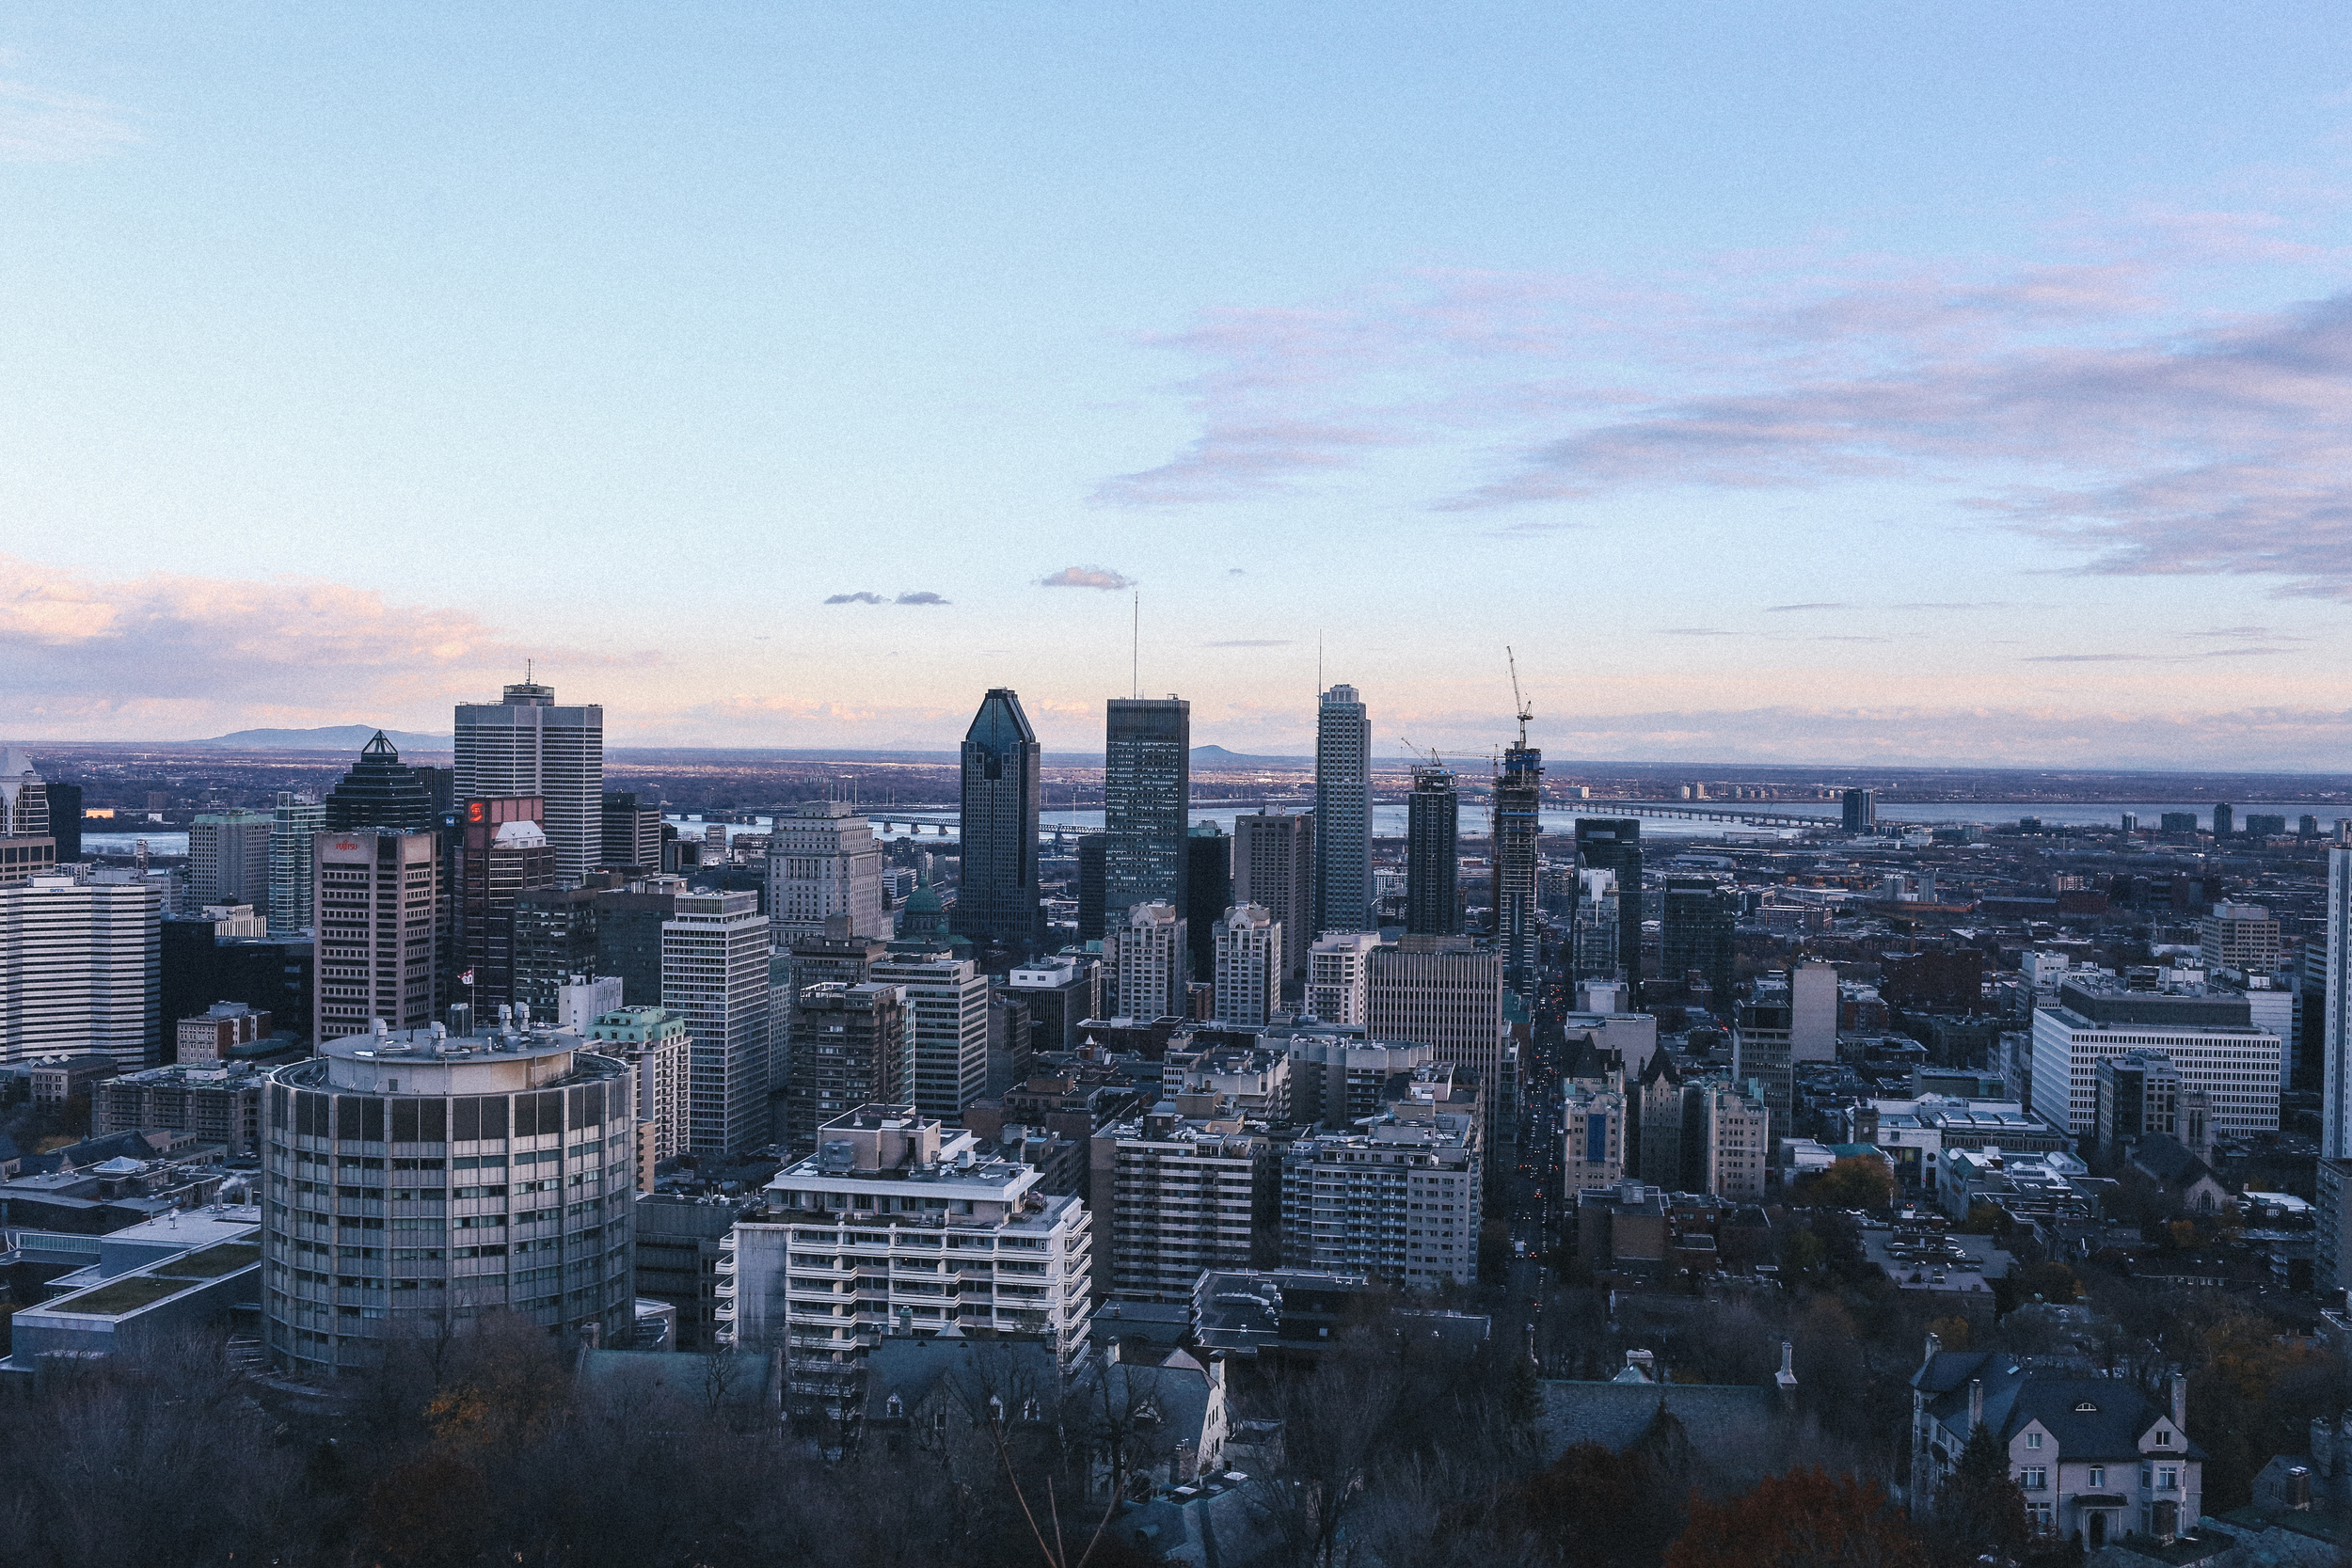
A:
(413, 1181)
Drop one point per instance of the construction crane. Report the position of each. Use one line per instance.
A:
(1517, 702)
(1435, 760)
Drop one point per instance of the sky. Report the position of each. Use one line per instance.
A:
(1791, 383)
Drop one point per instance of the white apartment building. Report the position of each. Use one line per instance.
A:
(947, 1005)
(1249, 966)
(81, 968)
(714, 974)
(1171, 1195)
(1738, 1143)
(1335, 976)
(1399, 1197)
(377, 893)
(2211, 1039)
(823, 862)
(1150, 960)
(523, 744)
(896, 1223)
(1592, 1141)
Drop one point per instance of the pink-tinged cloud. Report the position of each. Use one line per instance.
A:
(1087, 577)
(164, 653)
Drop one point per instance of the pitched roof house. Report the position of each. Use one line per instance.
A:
(2096, 1459)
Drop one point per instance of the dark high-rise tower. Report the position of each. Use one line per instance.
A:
(380, 791)
(1696, 936)
(1614, 843)
(502, 853)
(1859, 810)
(1209, 892)
(1147, 790)
(1433, 818)
(1342, 812)
(998, 905)
(1518, 802)
(1094, 855)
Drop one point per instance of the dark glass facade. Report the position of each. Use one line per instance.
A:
(996, 904)
(1433, 819)
(381, 791)
(1094, 857)
(1147, 793)
(1614, 843)
(1695, 935)
(1518, 800)
(1209, 892)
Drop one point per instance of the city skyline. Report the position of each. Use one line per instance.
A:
(1910, 410)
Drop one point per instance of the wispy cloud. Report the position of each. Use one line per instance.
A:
(922, 595)
(1695, 632)
(40, 125)
(2085, 659)
(2078, 401)
(860, 597)
(1251, 643)
(1087, 577)
(1785, 608)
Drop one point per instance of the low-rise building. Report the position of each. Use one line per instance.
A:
(1592, 1140)
(212, 1035)
(216, 1103)
(679, 1243)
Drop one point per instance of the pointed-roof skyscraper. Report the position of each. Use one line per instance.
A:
(380, 791)
(998, 904)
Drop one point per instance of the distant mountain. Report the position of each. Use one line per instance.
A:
(332, 737)
(1218, 756)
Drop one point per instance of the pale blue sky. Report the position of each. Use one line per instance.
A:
(353, 353)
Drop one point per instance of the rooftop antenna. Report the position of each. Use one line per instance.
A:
(528, 678)
(1135, 674)
(1318, 664)
(1517, 702)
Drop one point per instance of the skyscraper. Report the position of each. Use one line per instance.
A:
(714, 974)
(1614, 843)
(65, 819)
(998, 904)
(24, 796)
(1446, 993)
(380, 791)
(376, 893)
(1274, 865)
(1248, 949)
(2225, 821)
(502, 853)
(296, 820)
(1518, 802)
(1147, 952)
(1209, 892)
(1093, 869)
(1342, 814)
(1696, 936)
(632, 832)
(947, 1000)
(1860, 811)
(80, 969)
(524, 744)
(823, 862)
(1147, 791)
(1433, 816)
(228, 858)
